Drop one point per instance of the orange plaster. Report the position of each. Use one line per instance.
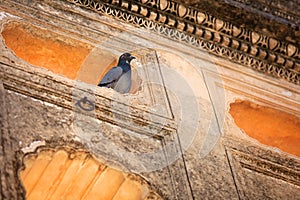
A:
(46, 49)
(267, 125)
(129, 190)
(60, 54)
(63, 175)
(107, 185)
(48, 177)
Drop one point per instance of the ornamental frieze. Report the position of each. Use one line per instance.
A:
(194, 27)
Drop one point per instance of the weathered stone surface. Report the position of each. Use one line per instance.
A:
(11, 186)
(175, 131)
(210, 176)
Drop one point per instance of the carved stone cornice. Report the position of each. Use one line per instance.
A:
(190, 25)
(279, 18)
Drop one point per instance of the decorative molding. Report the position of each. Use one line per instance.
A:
(272, 169)
(185, 24)
(249, 162)
(263, 160)
(64, 93)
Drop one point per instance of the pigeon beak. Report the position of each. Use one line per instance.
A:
(132, 57)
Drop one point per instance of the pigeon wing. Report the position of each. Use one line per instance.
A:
(123, 85)
(111, 76)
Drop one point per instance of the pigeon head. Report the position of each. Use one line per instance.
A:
(125, 58)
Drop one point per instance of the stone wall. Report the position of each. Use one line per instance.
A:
(174, 131)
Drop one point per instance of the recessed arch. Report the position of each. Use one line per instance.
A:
(60, 54)
(75, 174)
(268, 125)
(44, 48)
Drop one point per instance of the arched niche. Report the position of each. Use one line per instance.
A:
(61, 54)
(268, 125)
(64, 173)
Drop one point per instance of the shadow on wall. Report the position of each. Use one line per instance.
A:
(267, 125)
(59, 54)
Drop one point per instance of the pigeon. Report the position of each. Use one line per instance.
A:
(119, 77)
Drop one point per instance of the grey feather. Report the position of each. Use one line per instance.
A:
(123, 85)
(119, 77)
(111, 77)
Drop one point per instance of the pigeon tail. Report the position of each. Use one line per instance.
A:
(107, 83)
